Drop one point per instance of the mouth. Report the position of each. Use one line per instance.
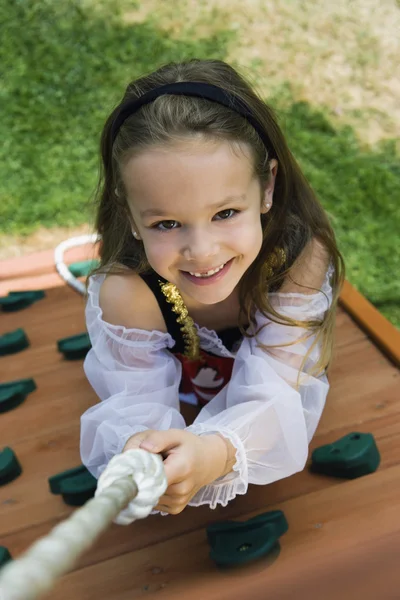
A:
(206, 277)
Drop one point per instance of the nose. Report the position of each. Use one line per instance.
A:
(199, 245)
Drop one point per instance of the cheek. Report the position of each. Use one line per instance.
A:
(247, 236)
(158, 249)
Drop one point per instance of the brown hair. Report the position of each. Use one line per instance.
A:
(296, 217)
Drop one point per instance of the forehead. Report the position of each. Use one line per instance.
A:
(190, 170)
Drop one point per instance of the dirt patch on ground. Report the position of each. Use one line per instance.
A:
(42, 239)
(341, 55)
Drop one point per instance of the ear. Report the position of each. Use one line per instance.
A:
(135, 231)
(269, 190)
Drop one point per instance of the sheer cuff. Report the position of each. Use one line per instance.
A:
(226, 488)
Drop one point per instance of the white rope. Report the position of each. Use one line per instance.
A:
(135, 478)
(62, 268)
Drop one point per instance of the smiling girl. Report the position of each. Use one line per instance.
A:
(218, 283)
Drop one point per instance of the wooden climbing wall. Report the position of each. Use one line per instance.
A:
(336, 527)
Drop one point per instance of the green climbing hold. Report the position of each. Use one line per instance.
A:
(353, 455)
(76, 485)
(234, 542)
(13, 342)
(13, 393)
(10, 468)
(75, 347)
(5, 556)
(83, 268)
(19, 300)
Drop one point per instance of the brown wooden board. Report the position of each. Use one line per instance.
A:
(168, 556)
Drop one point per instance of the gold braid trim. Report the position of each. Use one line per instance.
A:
(274, 262)
(188, 328)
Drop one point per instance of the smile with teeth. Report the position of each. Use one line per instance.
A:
(209, 273)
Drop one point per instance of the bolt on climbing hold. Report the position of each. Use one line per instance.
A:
(353, 455)
(237, 542)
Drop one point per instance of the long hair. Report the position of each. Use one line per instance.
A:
(295, 219)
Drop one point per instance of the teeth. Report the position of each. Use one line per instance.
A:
(209, 273)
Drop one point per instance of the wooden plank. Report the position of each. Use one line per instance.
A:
(64, 394)
(42, 281)
(32, 511)
(320, 523)
(44, 431)
(39, 263)
(380, 330)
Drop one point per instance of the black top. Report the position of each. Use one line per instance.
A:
(228, 336)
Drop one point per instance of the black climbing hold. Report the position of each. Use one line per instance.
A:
(76, 485)
(353, 455)
(13, 393)
(5, 556)
(10, 468)
(75, 347)
(13, 342)
(19, 300)
(83, 268)
(234, 542)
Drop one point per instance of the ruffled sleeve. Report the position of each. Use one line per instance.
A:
(135, 377)
(268, 420)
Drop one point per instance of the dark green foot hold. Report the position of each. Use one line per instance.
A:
(19, 300)
(10, 468)
(13, 342)
(5, 556)
(76, 485)
(75, 347)
(234, 543)
(83, 268)
(12, 394)
(353, 455)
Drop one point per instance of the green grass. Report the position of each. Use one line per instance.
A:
(65, 65)
(63, 70)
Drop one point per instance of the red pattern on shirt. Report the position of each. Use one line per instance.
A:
(206, 376)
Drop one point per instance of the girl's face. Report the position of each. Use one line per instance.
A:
(196, 207)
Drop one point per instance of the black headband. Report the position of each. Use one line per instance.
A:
(190, 88)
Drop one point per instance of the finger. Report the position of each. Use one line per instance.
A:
(180, 490)
(176, 470)
(135, 441)
(171, 510)
(160, 441)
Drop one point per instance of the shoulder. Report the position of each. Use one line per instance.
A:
(125, 299)
(309, 270)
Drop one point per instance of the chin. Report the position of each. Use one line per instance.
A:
(209, 296)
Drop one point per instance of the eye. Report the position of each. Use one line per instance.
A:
(165, 225)
(228, 213)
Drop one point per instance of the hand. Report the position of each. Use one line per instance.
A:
(190, 462)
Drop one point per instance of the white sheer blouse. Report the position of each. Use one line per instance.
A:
(268, 422)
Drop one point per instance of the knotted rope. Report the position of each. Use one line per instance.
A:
(134, 481)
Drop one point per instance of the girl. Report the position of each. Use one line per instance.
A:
(218, 283)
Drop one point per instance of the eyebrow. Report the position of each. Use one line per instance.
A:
(155, 212)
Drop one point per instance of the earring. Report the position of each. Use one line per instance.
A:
(268, 205)
(136, 235)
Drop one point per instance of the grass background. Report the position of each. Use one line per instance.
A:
(65, 65)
